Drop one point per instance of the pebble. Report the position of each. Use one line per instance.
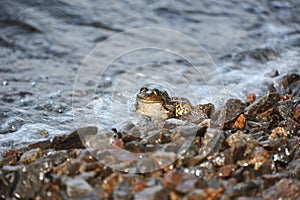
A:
(152, 193)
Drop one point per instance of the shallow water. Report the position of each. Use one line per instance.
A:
(45, 45)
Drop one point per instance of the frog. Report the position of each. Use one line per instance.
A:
(156, 103)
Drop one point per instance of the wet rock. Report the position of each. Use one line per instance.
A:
(226, 170)
(241, 144)
(28, 182)
(283, 84)
(211, 144)
(152, 193)
(122, 191)
(296, 112)
(239, 122)
(42, 145)
(77, 187)
(284, 189)
(146, 165)
(293, 169)
(173, 178)
(189, 183)
(285, 109)
(196, 194)
(138, 185)
(233, 108)
(277, 133)
(73, 140)
(247, 188)
(213, 193)
(110, 182)
(135, 147)
(261, 105)
(282, 154)
(30, 156)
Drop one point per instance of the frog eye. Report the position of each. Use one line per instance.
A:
(155, 91)
(143, 90)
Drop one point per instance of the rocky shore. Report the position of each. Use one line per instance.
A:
(256, 156)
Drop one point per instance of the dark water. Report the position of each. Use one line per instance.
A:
(43, 46)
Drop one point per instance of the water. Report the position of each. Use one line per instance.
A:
(45, 45)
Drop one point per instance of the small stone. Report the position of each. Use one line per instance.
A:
(146, 165)
(196, 194)
(284, 189)
(277, 133)
(73, 140)
(173, 178)
(261, 105)
(152, 193)
(296, 112)
(138, 185)
(259, 156)
(240, 122)
(135, 147)
(122, 191)
(77, 187)
(31, 155)
(110, 182)
(251, 98)
(213, 193)
(226, 170)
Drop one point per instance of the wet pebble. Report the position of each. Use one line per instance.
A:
(261, 105)
(77, 187)
(122, 191)
(152, 193)
(31, 155)
(226, 170)
(197, 194)
(284, 189)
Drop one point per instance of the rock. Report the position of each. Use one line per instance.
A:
(261, 105)
(239, 122)
(285, 109)
(152, 193)
(284, 189)
(250, 98)
(277, 133)
(233, 108)
(31, 155)
(226, 170)
(135, 147)
(122, 191)
(293, 169)
(173, 178)
(73, 140)
(196, 194)
(283, 84)
(77, 187)
(146, 165)
(296, 112)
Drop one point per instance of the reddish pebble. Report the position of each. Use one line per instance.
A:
(173, 178)
(226, 171)
(251, 98)
(285, 97)
(138, 185)
(240, 122)
(296, 112)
